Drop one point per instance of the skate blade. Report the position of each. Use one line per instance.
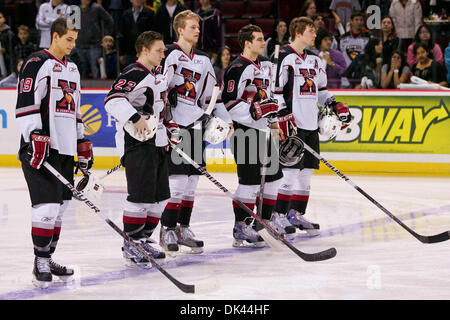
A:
(191, 250)
(131, 264)
(310, 232)
(248, 245)
(66, 279)
(41, 284)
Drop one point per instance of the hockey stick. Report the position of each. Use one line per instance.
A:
(111, 171)
(274, 72)
(187, 288)
(444, 236)
(319, 256)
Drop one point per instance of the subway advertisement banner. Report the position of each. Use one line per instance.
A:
(395, 124)
(392, 131)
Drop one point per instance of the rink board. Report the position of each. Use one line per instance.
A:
(393, 132)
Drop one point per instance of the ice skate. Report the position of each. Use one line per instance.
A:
(168, 239)
(282, 225)
(299, 221)
(42, 276)
(187, 238)
(133, 258)
(246, 237)
(62, 272)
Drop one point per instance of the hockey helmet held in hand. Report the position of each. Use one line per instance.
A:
(90, 185)
(216, 130)
(329, 125)
(152, 124)
(291, 151)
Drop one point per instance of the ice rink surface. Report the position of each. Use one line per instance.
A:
(376, 258)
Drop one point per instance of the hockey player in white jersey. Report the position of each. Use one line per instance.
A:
(301, 85)
(191, 81)
(49, 118)
(137, 100)
(246, 95)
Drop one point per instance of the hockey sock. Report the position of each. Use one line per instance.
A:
(285, 190)
(154, 211)
(134, 218)
(299, 202)
(300, 196)
(247, 195)
(58, 224)
(239, 213)
(170, 214)
(187, 202)
(269, 198)
(42, 227)
(184, 217)
(282, 203)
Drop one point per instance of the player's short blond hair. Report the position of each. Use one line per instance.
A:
(180, 19)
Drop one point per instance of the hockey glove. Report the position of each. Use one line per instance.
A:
(343, 112)
(263, 109)
(85, 154)
(173, 132)
(172, 97)
(38, 148)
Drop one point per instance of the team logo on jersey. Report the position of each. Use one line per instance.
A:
(187, 89)
(67, 103)
(92, 119)
(57, 68)
(183, 58)
(298, 61)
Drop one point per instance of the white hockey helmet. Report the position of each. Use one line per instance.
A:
(152, 124)
(90, 185)
(291, 151)
(216, 130)
(329, 125)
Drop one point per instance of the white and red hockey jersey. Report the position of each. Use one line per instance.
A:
(137, 89)
(242, 77)
(301, 85)
(192, 75)
(49, 99)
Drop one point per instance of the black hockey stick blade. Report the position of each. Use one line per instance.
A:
(309, 257)
(441, 237)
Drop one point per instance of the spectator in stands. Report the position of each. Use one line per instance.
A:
(211, 35)
(447, 62)
(424, 36)
(49, 12)
(367, 66)
(134, 21)
(7, 45)
(95, 22)
(308, 9)
(319, 23)
(407, 17)
(396, 72)
(391, 42)
(110, 57)
(11, 80)
(115, 8)
(426, 68)
(279, 36)
(23, 47)
(333, 59)
(164, 19)
(342, 11)
(353, 42)
(221, 64)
